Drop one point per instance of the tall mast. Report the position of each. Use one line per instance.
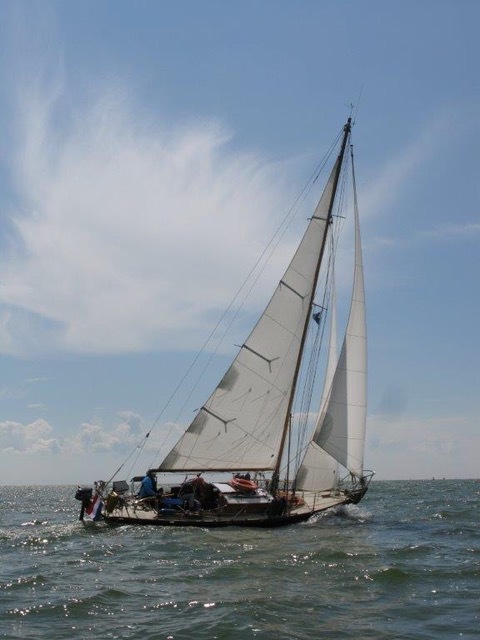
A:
(276, 473)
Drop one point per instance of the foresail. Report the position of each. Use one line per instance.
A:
(318, 470)
(341, 429)
(241, 424)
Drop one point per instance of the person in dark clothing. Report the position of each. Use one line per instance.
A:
(148, 488)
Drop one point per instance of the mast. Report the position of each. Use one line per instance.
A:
(276, 473)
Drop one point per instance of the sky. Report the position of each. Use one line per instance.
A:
(148, 152)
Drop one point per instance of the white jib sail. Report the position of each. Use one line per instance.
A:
(341, 429)
(241, 424)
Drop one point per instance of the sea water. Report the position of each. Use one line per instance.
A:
(405, 563)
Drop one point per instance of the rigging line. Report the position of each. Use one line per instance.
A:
(325, 304)
(306, 398)
(269, 249)
(312, 370)
(331, 200)
(123, 464)
(310, 374)
(134, 462)
(272, 245)
(304, 411)
(298, 200)
(338, 221)
(357, 106)
(327, 289)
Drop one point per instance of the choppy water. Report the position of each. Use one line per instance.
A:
(404, 564)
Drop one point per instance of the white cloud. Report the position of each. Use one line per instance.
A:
(397, 447)
(32, 438)
(384, 188)
(94, 437)
(131, 235)
(127, 237)
(40, 437)
(37, 453)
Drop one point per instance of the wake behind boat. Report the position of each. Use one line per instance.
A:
(238, 460)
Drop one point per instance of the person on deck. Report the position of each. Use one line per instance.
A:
(148, 488)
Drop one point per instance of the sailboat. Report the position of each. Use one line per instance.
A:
(236, 461)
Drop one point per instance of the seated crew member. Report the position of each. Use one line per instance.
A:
(148, 488)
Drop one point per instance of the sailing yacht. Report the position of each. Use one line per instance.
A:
(236, 460)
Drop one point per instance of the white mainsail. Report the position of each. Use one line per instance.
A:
(241, 424)
(341, 428)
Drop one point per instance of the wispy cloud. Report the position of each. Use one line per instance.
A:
(388, 183)
(131, 234)
(466, 230)
(379, 194)
(128, 236)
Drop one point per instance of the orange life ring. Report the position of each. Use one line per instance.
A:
(295, 500)
(245, 485)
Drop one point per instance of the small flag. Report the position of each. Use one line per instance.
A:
(317, 316)
(94, 509)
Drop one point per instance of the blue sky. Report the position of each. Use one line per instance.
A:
(148, 151)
